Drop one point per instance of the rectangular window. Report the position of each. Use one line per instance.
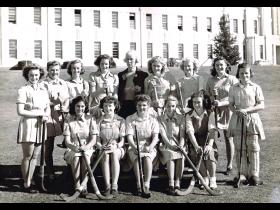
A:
(195, 51)
(96, 17)
(195, 27)
(209, 51)
(261, 51)
(209, 24)
(58, 16)
(243, 26)
(13, 48)
(13, 15)
(180, 22)
(132, 45)
(78, 17)
(115, 50)
(164, 22)
(149, 21)
(149, 50)
(165, 50)
(132, 20)
(244, 53)
(180, 51)
(115, 20)
(58, 49)
(97, 49)
(37, 15)
(78, 49)
(38, 48)
(235, 26)
(255, 26)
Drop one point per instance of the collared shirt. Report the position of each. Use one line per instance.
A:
(245, 96)
(76, 88)
(110, 81)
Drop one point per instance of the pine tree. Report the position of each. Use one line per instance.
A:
(224, 43)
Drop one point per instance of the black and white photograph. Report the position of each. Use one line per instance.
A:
(139, 104)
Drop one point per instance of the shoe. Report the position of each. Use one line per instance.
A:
(244, 182)
(138, 192)
(84, 193)
(30, 190)
(228, 171)
(115, 192)
(177, 188)
(107, 192)
(170, 190)
(255, 181)
(213, 184)
(146, 193)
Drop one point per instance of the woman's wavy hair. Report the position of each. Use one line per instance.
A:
(171, 98)
(69, 66)
(244, 66)
(32, 66)
(74, 102)
(157, 59)
(112, 63)
(53, 63)
(205, 100)
(132, 54)
(144, 98)
(111, 100)
(213, 69)
(194, 61)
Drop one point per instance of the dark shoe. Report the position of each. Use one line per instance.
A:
(243, 182)
(84, 193)
(115, 192)
(146, 193)
(30, 190)
(138, 192)
(177, 188)
(107, 192)
(255, 181)
(170, 190)
(228, 171)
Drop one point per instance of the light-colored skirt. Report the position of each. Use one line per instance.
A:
(69, 155)
(167, 154)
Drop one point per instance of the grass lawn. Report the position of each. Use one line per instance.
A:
(10, 157)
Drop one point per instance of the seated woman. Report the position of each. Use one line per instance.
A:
(146, 127)
(172, 134)
(85, 126)
(199, 122)
(111, 127)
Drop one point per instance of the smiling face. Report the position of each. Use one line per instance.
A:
(188, 68)
(171, 106)
(244, 75)
(80, 108)
(157, 67)
(34, 76)
(142, 107)
(76, 69)
(130, 61)
(104, 65)
(109, 108)
(54, 71)
(220, 67)
(198, 103)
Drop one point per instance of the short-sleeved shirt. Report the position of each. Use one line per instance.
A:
(111, 129)
(97, 80)
(84, 127)
(222, 84)
(75, 88)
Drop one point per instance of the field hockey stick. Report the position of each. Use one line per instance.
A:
(42, 158)
(237, 184)
(156, 96)
(181, 96)
(216, 113)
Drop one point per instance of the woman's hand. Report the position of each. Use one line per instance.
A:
(75, 148)
(207, 149)
(241, 113)
(146, 149)
(216, 103)
(137, 88)
(199, 150)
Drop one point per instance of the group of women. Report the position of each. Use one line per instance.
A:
(138, 114)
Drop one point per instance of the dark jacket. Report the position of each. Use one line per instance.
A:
(138, 80)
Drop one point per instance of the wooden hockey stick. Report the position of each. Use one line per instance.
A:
(42, 159)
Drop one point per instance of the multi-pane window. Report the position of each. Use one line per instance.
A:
(165, 50)
(244, 52)
(194, 18)
(132, 20)
(115, 19)
(209, 24)
(255, 26)
(243, 26)
(37, 15)
(132, 45)
(115, 50)
(97, 49)
(164, 22)
(180, 22)
(58, 16)
(149, 21)
(12, 15)
(180, 51)
(261, 51)
(235, 26)
(13, 48)
(149, 50)
(38, 48)
(78, 49)
(195, 51)
(58, 49)
(96, 17)
(209, 51)
(78, 17)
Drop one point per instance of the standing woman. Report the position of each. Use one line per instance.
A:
(155, 85)
(59, 103)
(77, 86)
(172, 134)
(111, 127)
(33, 107)
(147, 129)
(131, 84)
(102, 83)
(220, 82)
(190, 83)
(79, 122)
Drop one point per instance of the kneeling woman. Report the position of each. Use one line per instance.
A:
(83, 125)
(147, 129)
(199, 122)
(111, 128)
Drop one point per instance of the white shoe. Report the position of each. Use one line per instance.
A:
(213, 184)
